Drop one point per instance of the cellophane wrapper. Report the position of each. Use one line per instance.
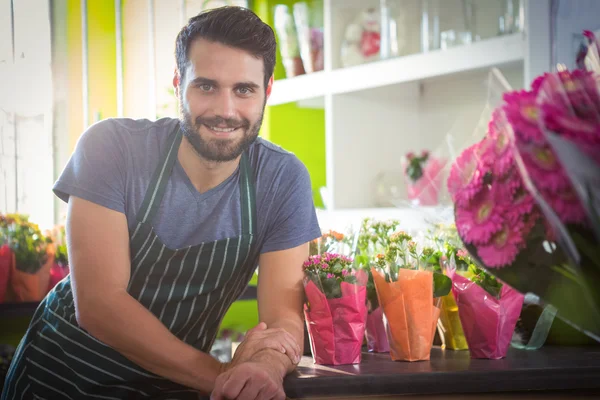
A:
(411, 313)
(336, 326)
(454, 335)
(488, 322)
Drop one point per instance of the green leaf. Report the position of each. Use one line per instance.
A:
(441, 284)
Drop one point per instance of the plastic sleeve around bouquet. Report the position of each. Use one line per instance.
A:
(377, 340)
(454, 335)
(410, 312)
(488, 322)
(336, 326)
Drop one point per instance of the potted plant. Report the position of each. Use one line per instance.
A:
(335, 308)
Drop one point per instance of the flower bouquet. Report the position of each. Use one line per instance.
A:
(336, 309)
(488, 309)
(409, 293)
(33, 256)
(518, 207)
(373, 238)
(424, 178)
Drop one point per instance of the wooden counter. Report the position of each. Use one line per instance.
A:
(551, 372)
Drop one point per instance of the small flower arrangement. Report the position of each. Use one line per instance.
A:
(404, 253)
(409, 286)
(32, 257)
(335, 308)
(416, 165)
(26, 241)
(328, 271)
(374, 237)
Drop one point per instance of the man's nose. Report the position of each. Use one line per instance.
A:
(225, 105)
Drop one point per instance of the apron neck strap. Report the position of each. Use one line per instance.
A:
(247, 196)
(160, 178)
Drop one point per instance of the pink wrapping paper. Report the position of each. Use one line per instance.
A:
(57, 273)
(426, 189)
(336, 327)
(488, 323)
(6, 259)
(377, 340)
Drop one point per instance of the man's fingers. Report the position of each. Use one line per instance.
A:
(217, 393)
(252, 388)
(234, 384)
(260, 327)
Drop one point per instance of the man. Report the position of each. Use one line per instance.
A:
(167, 221)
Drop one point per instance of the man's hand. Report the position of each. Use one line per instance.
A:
(249, 381)
(260, 338)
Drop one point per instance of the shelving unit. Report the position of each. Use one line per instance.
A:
(377, 112)
(497, 52)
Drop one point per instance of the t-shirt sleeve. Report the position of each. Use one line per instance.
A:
(96, 170)
(293, 218)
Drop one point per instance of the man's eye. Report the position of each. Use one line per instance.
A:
(244, 90)
(206, 87)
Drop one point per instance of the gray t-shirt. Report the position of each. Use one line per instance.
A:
(114, 161)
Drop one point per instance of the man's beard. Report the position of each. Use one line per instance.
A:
(219, 150)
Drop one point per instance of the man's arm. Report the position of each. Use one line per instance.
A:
(281, 298)
(98, 243)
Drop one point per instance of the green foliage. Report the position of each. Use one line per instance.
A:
(25, 240)
(416, 164)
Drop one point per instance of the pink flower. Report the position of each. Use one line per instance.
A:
(466, 176)
(462, 253)
(344, 273)
(482, 219)
(523, 113)
(410, 156)
(330, 276)
(497, 153)
(503, 248)
(543, 167)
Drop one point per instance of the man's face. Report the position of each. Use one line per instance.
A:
(222, 100)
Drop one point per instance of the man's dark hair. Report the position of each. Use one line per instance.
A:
(232, 26)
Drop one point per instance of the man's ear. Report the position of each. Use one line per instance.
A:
(269, 87)
(176, 82)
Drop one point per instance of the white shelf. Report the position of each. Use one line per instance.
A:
(495, 52)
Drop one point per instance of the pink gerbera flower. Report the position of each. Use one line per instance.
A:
(466, 176)
(498, 153)
(503, 247)
(483, 218)
(522, 204)
(543, 167)
(523, 113)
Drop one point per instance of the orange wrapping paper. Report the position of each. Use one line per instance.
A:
(408, 305)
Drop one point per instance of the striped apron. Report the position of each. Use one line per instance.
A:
(188, 289)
